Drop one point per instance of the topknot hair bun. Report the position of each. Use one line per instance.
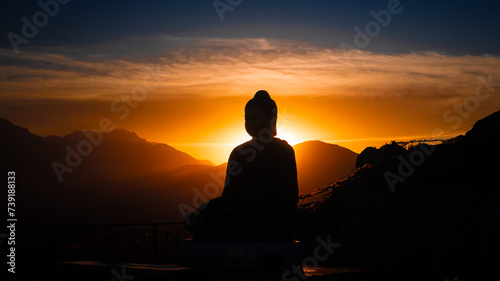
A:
(262, 95)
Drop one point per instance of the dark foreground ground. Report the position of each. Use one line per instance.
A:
(85, 271)
(148, 252)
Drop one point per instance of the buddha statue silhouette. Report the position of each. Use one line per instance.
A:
(260, 191)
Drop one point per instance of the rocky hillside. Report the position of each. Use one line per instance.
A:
(425, 207)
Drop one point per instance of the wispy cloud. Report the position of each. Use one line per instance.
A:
(211, 66)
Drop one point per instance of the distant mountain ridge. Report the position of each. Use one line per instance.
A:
(125, 173)
(122, 154)
(119, 154)
(320, 164)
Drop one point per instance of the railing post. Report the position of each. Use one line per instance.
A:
(155, 243)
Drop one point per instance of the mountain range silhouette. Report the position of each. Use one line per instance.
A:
(319, 164)
(126, 179)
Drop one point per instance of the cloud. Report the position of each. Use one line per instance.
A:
(215, 66)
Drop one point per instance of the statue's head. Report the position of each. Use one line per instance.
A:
(261, 115)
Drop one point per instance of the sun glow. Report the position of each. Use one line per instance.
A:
(290, 136)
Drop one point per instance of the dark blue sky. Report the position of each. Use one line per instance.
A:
(449, 27)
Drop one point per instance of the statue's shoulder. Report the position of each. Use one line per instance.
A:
(282, 144)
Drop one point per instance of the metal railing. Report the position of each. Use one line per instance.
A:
(137, 243)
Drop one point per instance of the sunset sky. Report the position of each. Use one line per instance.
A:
(180, 72)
